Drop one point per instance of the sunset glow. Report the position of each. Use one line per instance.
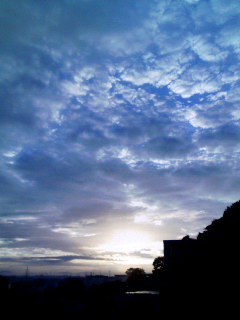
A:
(119, 128)
(127, 242)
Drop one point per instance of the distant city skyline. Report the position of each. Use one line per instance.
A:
(119, 128)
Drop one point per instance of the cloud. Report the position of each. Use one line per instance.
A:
(206, 50)
(224, 138)
(168, 147)
(228, 38)
(197, 80)
(224, 12)
(114, 115)
(212, 115)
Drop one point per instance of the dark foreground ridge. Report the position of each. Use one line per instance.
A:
(195, 278)
(201, 276)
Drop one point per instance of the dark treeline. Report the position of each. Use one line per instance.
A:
(195, 278)
(74, 298)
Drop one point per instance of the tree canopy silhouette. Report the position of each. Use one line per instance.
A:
(158, 265)
(136, 277)
(224, 229)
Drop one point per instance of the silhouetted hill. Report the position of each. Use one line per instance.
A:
(204, 274)
(225, 228)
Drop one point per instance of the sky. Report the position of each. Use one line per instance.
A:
(119, 128)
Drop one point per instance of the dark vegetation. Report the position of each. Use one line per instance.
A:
(195, 278)
(72, 298)
(204, 278)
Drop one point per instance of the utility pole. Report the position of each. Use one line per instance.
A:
(27, 273)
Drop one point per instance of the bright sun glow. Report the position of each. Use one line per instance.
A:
(127, 242)
(126, 246)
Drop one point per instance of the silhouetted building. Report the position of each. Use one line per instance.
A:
(179, 253)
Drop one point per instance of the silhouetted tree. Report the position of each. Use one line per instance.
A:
(158, 265)
(136, 277)
(158, 273)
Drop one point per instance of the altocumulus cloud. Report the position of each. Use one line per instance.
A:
(115, 116)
